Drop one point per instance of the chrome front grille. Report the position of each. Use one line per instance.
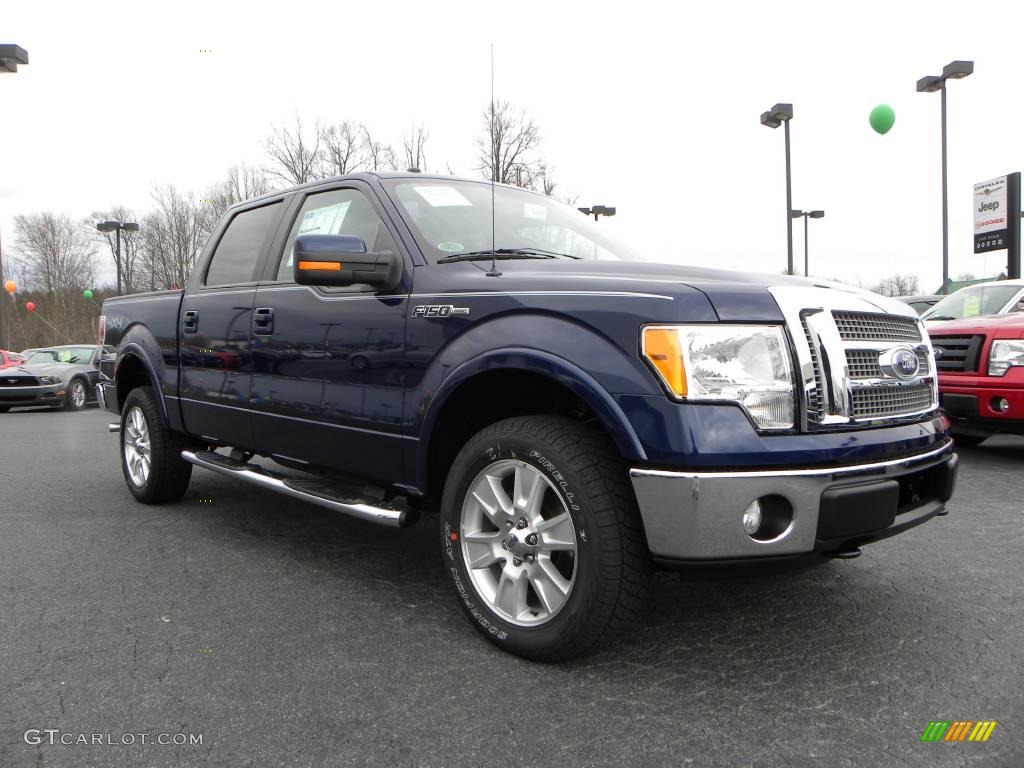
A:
(847, 355)
(863, 363)
(879, 402)
(868, 326)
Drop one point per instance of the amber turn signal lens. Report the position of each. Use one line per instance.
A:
(661, 348)
(328, 266)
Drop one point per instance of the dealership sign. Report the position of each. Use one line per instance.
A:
(991, 231)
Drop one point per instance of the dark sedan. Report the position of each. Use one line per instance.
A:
(61, 376)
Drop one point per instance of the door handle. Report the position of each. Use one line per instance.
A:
(190, 322)
(263, 321)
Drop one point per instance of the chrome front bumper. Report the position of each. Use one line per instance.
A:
(698, 515)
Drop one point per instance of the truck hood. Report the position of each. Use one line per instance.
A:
(997, 326)
(734, 296)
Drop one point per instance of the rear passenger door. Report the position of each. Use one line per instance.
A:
(214, 347)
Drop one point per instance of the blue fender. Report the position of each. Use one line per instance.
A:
(569, 375)
(138, 343)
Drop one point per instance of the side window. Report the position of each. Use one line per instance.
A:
(239, 249)
(338, 212)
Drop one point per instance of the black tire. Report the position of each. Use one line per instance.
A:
(169, 474)
(72, 401)
(612, 572)
(4, 408)
(969, 441)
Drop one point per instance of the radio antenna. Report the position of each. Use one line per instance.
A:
(493, 272)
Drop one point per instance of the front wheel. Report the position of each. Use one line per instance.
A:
(542, 539)
(74, 398)
(150, 453)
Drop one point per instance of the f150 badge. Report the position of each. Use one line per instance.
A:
(438, 310)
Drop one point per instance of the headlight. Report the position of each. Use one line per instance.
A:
(49, 380)
(745, 364)
(1004, 355)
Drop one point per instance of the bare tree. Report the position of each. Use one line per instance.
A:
(898, 285)
(173, 235)
(343, 148)
(58, 260)
(242, 183)
(131, 242)
(508, 146)
(58, 255)
(965, 277)
(379, 156)
(414, 145)
(295, 157)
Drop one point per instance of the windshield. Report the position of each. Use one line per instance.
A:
(972, 301)
(449, 217)
(61, 355)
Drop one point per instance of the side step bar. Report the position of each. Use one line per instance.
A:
(319, 492)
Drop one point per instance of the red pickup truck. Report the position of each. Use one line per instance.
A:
(980, 361)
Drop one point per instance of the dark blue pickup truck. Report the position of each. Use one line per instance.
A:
(393, 344)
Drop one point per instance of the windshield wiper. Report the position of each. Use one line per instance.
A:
(940, 317)
(505, 253)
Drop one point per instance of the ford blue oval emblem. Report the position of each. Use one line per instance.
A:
(900, 363)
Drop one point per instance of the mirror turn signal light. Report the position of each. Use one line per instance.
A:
(327, 266)
(661, 348)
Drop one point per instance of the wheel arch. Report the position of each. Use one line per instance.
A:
(512, 382)
(134, 369)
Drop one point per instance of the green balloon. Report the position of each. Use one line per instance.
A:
(882, 118)
(87, 293)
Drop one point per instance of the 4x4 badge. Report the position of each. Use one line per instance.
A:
(438, 310)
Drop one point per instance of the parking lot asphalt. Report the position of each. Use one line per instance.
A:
(289, 636)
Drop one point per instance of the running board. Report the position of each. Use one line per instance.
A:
(319, 492)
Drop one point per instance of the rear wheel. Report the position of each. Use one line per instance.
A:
(150, 453)
(542, 539)
(74, 398)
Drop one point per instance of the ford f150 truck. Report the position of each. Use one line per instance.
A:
(387, 344)
(981, 375)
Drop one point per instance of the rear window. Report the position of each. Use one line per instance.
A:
(239, 250)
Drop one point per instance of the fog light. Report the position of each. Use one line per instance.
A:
(1000, 404)
(752, 518)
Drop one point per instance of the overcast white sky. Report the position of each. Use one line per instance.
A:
(652, 107)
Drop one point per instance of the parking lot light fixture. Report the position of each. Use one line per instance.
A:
(955, 70)
(806, 215)
(11, 56)
(781, 114)
(598, 210)
(118, 226)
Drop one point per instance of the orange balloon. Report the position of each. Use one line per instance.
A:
(10, 286)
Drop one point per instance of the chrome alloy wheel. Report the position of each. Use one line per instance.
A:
(137, 451)
(77, 394)
(518, 543)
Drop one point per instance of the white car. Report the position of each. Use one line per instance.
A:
(999, 297)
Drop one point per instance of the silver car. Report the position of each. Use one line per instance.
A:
(62, 377)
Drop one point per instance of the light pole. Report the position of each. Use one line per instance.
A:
(598, 210)
(10, 57)
(955, 70)
(778, 115)
(807, 215)
(117, 226)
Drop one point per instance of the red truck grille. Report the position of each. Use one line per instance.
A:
(960, 354)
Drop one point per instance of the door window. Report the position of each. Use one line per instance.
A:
(338, 212)
(239, 249)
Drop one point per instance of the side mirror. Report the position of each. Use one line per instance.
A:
(341, 260)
